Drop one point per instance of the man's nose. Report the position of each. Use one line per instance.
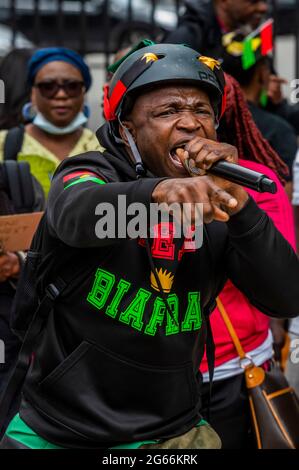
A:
(189, 121)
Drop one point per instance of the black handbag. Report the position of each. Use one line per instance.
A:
(273, 403)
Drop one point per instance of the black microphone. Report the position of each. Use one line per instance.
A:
(239, 175)
(243, 176)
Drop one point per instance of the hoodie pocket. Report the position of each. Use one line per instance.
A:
(108, 397)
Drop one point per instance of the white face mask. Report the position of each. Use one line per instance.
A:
(42, 123)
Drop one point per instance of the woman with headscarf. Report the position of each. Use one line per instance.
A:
(59, 79)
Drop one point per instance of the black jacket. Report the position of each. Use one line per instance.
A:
(199, 28)
(112, 365)
(278, 132)
(288, 111)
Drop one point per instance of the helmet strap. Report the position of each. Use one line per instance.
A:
(139, 167)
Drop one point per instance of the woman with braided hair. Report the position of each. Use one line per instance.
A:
(254, 78)
(239, 128)
(229, 408)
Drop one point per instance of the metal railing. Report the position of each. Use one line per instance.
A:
(87, 25)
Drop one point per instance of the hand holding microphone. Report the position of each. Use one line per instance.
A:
(224, 169)
(221, 197)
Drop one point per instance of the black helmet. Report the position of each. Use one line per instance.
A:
(161, 63)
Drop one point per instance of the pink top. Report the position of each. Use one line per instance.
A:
(251, 325)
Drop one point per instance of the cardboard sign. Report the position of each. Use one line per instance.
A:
(16, 231)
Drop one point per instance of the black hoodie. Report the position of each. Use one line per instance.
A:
(113, 366)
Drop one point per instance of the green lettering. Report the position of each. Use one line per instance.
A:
(134, 312)
(122, 288)
(193, 319)
(158, 315)
(173, 328)
(101, 288)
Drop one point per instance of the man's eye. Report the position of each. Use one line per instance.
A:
(204, 111)
(167, 112)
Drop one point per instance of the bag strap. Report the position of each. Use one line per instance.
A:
(210, 352)
(254, 375)
(231, 329)
(27, 194)
(208, 309)
(13, 143)
(20, 185)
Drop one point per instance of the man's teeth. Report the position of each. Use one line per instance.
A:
(175, 156)
(174, 153)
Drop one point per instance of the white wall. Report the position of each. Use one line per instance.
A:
(285, 60)
(95, 94)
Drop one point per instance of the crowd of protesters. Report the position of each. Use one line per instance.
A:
(43, 122)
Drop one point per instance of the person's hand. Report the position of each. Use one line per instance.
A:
(203, 153)
(220, 198)
(274, 89)
(9, 266)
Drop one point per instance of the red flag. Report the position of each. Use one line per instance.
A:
(267, 37)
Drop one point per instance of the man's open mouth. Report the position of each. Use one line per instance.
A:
(174, 157)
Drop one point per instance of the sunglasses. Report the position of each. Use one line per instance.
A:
(48, 89)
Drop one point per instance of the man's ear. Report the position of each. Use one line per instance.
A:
(131, 129)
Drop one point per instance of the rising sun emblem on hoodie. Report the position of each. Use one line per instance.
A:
(166, 280)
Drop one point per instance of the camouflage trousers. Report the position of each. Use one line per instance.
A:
(201, 437)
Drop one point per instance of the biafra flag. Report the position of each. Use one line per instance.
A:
(257, 44)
